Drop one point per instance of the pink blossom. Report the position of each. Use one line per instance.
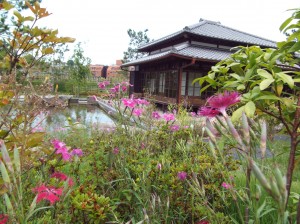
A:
(3, 218)
(208, 112)
(182, 175)
(159, 166)
(223, 101)
(137, 112)
(174, 127)
(103, 84)
(116, 151)
(37, 129)
(143, 145)
(142, 101)
(58, 144)
(94, 98)
(193, 114)
(226, 185)
(203, 222)
(62, 177)
(77, 152)
(64, 152)
(155, 115)
(128, 103)
(48, 193)
(123, 88)
(169, 117)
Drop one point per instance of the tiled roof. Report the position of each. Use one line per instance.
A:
(189, 51)
(213, 29)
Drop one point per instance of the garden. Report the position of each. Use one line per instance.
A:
(236, 160)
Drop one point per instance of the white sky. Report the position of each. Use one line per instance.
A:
(102, 24)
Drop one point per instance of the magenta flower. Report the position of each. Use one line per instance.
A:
(142, 101)
(174, 127)
(159, 166)
(226, 185)
(182, 175)
(193, 114)
(116, 151)
(3, 218)
(124, 88)
(208, 112)
(128, 103)
(94, 98)
(64, 153)
(48, 193)
(77, 152)
(58, 144)
(137, 112)
(156, 115)
(103, 84)
(169, 117)
(223, 101)
(143, 145)
(62, 177)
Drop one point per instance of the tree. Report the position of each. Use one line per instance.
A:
(24, 37)
(80, 70)
(268, 82)
(136, 39)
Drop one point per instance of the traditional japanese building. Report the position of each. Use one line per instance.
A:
(166, 73)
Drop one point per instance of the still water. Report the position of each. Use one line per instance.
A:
(85, 115)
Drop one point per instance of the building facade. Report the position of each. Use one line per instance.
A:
(165, 75)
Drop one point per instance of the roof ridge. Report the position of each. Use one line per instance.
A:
(244, 32)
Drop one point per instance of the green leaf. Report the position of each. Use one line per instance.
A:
(265, 83)
(285, 23)
(267, 97)
(286, 79)
(250, 109)
(264, 73)
(236, 115)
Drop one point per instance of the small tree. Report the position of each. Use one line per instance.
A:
(79, 65)
(136, 39)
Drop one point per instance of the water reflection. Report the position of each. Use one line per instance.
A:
(87, 115)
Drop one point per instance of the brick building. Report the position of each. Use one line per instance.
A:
(106, 71)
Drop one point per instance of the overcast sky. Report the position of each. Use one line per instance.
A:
(102, 24)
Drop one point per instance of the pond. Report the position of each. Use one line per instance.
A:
(84, 115)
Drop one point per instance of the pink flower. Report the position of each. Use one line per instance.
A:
(123, 88)
(159, 166)
(169, 117)
(37, 129)
(103, 84)
(143, 145)
(128, 103)
(62, 177)
(182, 175)
(48, 193)
(116, 151)
(226, 185)
(174, 127)
(193, 114)
(58, 144)
(77, 152)
(223, 101)
(142, 101)
(208, 112)
(64, 152)
(94, 98)
(203, 222)
(3, 218)
(137, 112)
(155, 115)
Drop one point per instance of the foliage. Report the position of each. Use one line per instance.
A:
(25, 37)
(80, 70)
(136, 39)
(268, 80)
